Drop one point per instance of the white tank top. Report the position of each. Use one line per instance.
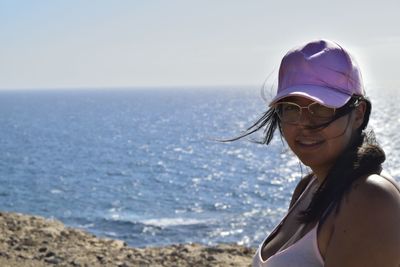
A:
(303, 253)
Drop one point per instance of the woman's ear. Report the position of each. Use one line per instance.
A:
(360, 114)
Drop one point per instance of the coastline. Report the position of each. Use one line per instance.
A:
(33, 241)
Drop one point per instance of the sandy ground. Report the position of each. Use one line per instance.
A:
(34, 241)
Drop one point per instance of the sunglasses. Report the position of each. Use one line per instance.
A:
(289, 112)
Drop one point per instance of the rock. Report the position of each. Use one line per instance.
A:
(2, 253)
(42, 249)
(50, 254)
(28, 241)
(118, 244)
(32, 241)
(54, 260)
(211, 258)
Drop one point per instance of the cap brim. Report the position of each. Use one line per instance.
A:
(324, 95)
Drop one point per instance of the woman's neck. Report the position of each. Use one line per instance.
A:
(321, 172)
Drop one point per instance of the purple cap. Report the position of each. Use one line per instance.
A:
(321, 71)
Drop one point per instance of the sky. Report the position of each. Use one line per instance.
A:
(172, 43)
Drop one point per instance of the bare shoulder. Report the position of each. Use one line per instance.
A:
(373, 191)
(374, 197)
(366, 231)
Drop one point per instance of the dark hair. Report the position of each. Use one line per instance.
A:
(269, 121)
(362, 157)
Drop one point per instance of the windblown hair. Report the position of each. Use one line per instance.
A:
(362, 157)
(269, 121)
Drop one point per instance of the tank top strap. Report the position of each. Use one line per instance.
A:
(313, 178)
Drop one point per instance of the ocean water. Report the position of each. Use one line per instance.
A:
(143, 165)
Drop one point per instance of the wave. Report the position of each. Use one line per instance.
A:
(126, 223)
(168, 222)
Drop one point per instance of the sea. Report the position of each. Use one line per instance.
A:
(146, 166)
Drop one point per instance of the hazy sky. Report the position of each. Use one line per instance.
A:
(70, 43)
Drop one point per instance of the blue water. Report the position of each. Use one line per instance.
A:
(143, 165)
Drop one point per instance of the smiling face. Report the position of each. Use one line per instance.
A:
(320, 148)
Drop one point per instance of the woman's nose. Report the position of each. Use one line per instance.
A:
(305, 118)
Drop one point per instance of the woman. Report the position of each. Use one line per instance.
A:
(347, 211)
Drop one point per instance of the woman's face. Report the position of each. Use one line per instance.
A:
(320, 148)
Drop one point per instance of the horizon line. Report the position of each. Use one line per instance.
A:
(134, 87)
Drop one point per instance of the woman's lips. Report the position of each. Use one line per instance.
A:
(309, 143)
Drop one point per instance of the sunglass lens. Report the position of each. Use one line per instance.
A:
(320, 111)
(288, 112)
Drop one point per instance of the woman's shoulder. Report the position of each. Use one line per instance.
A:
(366, 224)
(378, 188)
(375, 194)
